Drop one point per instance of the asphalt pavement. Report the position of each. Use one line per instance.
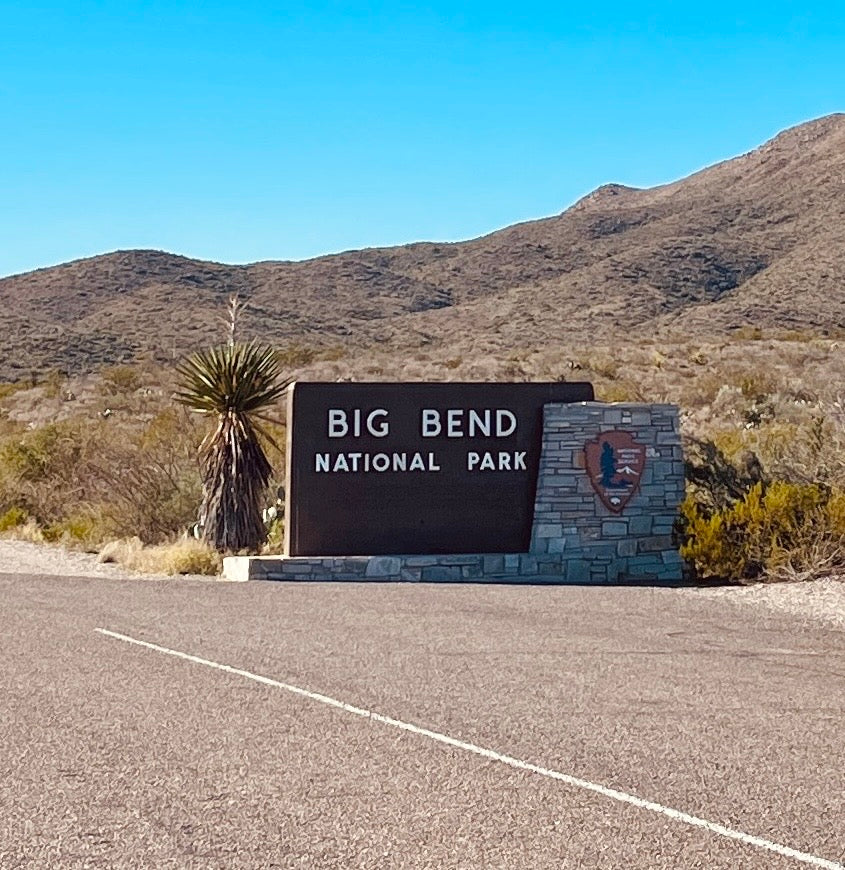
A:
(486, 727)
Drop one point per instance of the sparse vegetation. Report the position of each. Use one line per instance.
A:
(183, 556)
(780, 531)
(764, 409)
(123, 378)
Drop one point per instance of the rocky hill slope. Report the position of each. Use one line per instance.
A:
(758, 240)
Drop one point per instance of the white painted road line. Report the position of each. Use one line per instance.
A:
(624, 797)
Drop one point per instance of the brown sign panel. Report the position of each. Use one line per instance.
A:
(615, 462)
(423, 468)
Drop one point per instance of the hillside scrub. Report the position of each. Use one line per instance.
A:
(756, 409)
(84, 481)
(742, 247)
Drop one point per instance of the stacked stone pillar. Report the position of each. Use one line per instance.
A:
(594, 543)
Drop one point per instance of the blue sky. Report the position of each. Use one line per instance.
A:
(239, 132)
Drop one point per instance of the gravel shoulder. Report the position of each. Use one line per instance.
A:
(813, 601)
(24, 557)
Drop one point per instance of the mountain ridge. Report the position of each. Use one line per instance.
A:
(756, 240)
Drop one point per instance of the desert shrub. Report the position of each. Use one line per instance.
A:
(807, 452)
(42, 453)
(745, 333)
(122, 378)
(53, 383)
(43, 470)
(84, 530)
(12, 518)
(619, 391)
(296, 355)
(9, 389)
(85, 481)
(333, 353)
(699, 390)
(757, 386)
(604, 365)
(783, 530)
(150, 484)
(731, 442)
(715, 481)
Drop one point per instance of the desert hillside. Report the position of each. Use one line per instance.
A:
(756, 241)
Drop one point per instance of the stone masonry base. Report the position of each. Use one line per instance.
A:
(575, 537)
(471, 568)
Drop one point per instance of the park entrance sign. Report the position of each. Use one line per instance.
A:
(427, 468)
(445, 483)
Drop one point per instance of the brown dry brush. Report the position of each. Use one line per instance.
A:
(95, 480)
(152, 487)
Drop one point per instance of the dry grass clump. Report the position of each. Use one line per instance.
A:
(28, 530)
(185, 556)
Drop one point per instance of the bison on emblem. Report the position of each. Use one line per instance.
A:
(614, 463)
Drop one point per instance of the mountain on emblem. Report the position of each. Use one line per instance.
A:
(614, 464)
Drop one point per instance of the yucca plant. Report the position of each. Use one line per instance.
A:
(236, 384)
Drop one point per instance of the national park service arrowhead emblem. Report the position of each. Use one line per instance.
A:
(614, 463)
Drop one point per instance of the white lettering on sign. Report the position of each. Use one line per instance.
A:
(480, 424)
(430, 423)
(380, 462)
(501, 416)
(501, 461)
(462, 423)
(342, 424)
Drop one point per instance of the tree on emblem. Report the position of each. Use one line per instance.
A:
(608, 468)
(614, 463)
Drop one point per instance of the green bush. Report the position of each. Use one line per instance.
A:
(12, 518)
(44, 471)
(780, 531)
(85, 530)
(41, 454)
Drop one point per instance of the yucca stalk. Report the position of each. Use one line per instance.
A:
(236, 384)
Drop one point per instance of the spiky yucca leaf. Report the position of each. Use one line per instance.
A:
(241, 377)
(237, 383)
